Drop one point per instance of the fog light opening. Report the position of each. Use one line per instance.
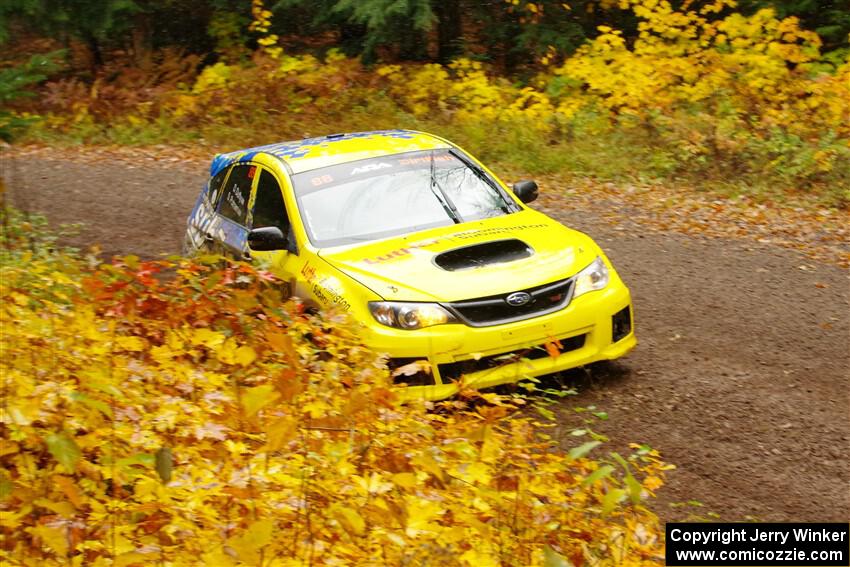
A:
(411, 371)
(621, 324)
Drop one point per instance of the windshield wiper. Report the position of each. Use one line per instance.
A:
(441, 196)
(508, 206)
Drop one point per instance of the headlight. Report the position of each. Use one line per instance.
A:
(409, 315)
(592, 278)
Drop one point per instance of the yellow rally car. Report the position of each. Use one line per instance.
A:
(446, 268)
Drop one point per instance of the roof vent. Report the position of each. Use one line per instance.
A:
(478, 255)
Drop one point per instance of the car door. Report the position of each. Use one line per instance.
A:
(231, 234)
(268, 208)
(203, 221)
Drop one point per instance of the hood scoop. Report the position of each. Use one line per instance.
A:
(478, 255)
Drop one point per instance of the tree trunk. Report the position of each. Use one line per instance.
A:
(499, 35)
(449, 29)
(141, 38)
(95, 53)
(352, 36)
(413, 46)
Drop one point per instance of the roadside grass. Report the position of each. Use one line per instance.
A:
(588, 149)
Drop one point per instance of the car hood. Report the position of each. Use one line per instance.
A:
(484, 258)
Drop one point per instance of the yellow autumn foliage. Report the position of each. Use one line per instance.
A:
(758, 70)
(178, 413)
(706, 88)
(701, 90)
(761, 70)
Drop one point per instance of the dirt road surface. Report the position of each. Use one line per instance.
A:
(741, 377)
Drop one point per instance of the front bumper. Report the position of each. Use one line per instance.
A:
(462, 356)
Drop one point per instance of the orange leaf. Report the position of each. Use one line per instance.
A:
(384, 397)
(358, 402)
(280, 432)
(288, 384)
(283, 343)
(69, 489)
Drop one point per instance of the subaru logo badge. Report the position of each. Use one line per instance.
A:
(518, 298)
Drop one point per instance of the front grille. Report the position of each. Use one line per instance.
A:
(494, 309)
(454, 370)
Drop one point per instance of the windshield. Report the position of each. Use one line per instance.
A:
(387, 196)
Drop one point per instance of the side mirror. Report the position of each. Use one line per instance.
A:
(526, 191)
(267, 238)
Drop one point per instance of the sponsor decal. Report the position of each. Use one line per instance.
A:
(202, 217)
(236, 199)
(495, 230)
(309, 272)
(326, 289)
(326, 292)
(426, 160)
(401, 252)
(370, 167)
(387, 257)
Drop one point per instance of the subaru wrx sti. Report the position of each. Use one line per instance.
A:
(446, 269)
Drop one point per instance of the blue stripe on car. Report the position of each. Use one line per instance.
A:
(299, 148)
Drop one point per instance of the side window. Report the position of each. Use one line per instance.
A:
(269, 209)
(237, 190)
(214, 188)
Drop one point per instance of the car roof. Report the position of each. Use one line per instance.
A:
(313, 153)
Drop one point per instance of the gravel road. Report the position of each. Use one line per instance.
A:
(741, 377)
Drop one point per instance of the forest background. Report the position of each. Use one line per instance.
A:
(742, 98)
